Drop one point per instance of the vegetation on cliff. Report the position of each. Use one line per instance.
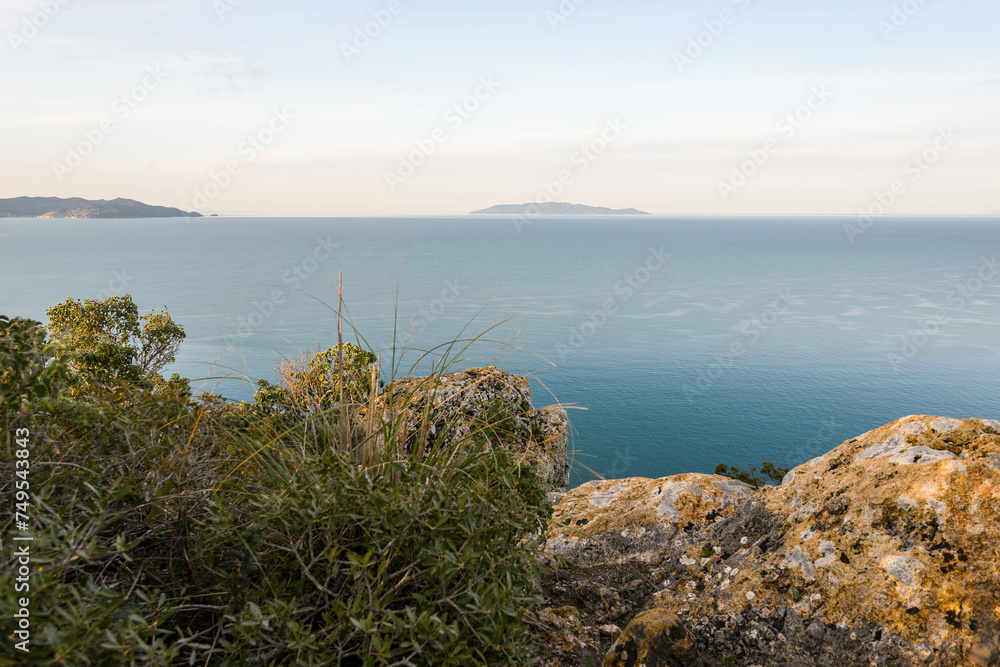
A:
(768, 473)
(169, 528)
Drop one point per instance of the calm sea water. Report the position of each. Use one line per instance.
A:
(685, 342)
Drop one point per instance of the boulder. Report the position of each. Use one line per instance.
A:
(897, 529)
(642, 519)
(481, 405)
(882, 551)
(567, 640)
(654, 638)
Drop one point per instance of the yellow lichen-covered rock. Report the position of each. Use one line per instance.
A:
(638, 518)
(654, 638)
(884, 550)
(568, 641)
(899, 526)
(481, 405)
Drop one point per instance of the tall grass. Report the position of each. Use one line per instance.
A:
(169, 529)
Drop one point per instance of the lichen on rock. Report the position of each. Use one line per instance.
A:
(655, 637)
(481, 405)
(640, 518)
(913, 512)
(884, 550)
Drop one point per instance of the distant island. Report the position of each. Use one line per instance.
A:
(76, 207)
(555, 208)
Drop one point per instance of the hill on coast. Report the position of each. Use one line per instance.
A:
(555, 208)
(77, 207)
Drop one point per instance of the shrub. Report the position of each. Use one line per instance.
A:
(768, 473)
(314, 383)
(29, 371)
(417, 564)
(111, 344)
(164, 535)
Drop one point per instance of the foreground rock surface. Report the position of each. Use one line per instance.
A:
(641, 519)
(485, 404)
(883, 551)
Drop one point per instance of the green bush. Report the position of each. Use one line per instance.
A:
(29, 371)
(320, 381)
(111, 345)
(418, 564)
(768, 473)
(165, 535)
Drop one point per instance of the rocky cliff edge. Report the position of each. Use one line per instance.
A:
(883, 551)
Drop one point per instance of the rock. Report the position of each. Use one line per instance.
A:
(912, 513)
(567, 640)
(985, 653)
(884, 550)
(816, 630)
(641, 519)
(654, 638)
(610, 630)
(484, 405)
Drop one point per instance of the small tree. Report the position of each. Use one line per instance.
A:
(313, 383)
(111, 344)
(768, 473)
(30, 369)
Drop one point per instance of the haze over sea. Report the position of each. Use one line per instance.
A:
(688, 341)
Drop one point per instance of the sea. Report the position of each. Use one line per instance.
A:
(675, 343)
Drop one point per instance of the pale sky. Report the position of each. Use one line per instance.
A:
(688, 107)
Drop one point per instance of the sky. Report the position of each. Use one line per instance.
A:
(438, 107)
